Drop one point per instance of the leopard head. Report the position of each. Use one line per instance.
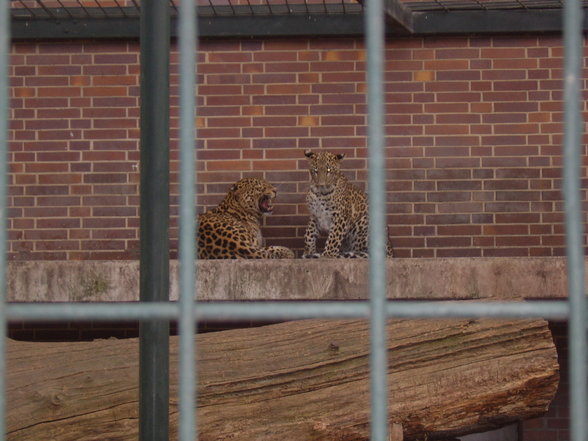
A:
(325, 170)
(250, 195)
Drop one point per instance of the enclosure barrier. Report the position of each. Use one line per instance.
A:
(4, 50)
(378, 309)
(154, 217)
(573, 53)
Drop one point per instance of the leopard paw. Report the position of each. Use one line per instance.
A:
(354, 255)
(277, 252)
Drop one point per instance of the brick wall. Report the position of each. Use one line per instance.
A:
(473, 147)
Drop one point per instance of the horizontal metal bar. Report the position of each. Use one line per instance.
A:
(296, 25)
(282, 310)
(555, 310)
(203, 11)
(493, 21)
(51, 312)
(394, 309)
(209, 26)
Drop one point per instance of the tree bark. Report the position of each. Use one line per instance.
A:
(301, 380)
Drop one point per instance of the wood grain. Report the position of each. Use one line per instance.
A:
(301, 380)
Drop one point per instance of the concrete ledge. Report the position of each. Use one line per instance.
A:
(297, 279)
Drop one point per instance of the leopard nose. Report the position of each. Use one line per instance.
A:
(323, 182)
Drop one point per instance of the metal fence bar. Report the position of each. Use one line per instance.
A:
(374, 26)
(187, 33)
(573, 60)
(154, 197)
(554, 310)
(4, 60)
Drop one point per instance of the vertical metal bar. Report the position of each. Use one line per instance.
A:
(4, 59)
(573, 41)
(187, 33)
(374, 25)
(154, 266)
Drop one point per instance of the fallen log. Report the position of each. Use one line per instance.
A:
(301, 380)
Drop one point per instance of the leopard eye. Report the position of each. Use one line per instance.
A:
(314, 170)
(329, 169)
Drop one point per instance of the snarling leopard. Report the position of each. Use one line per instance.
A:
(337, 208)
(232, 230)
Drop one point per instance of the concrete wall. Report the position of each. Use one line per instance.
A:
(297, 279)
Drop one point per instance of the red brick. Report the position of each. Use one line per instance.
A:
(449, 196)
(287, 67)
(117, 123)
(58, 223)
(459, 252)
(274, 165)
(443, 162)
(56, 245)
(460, 207)
(112, 211)
(103, 222)
(447, 219)
(103, 244)
(500, 207)
(111, 91)
(331, 109)
(59, 91)
(126, 189)
(110, 101)
(45, 59)
(504, 252)
(46, 190)
(57, 201)
(459, 230)
(449, 242)
(228, 165)
(114, 234)
(518, 218)
(63, 178)
(292, 132)
(518, 195)
(288, 89)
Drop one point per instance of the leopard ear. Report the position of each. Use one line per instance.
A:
(308, 153)
(233, 188)
(340, 156)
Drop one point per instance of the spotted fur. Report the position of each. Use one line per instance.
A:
(337, 208)
(233, 229)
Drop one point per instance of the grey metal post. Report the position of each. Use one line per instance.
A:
(573, 41)
(187, 34)
(154, 266)
(374, 26)
(4, 49)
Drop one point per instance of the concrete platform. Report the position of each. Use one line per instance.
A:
(296, 279)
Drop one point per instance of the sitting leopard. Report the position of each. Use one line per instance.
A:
(233, 229)
(337, 208)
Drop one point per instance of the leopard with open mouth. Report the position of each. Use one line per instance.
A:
(232, 230)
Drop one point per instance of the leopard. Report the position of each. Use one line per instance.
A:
(338, 208)
(232, 230)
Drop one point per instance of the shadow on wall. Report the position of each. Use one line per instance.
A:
(509, 433)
